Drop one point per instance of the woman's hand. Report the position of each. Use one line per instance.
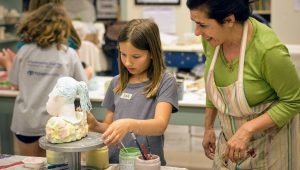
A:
(209, 143)
(237, 145)
(116, 131)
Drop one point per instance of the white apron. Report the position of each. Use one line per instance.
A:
(275, 148)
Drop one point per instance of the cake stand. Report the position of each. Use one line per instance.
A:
(92, 141)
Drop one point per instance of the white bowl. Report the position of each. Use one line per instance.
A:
(34, 162)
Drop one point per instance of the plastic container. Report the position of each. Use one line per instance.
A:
(98, 158)
(127, 158)
(152, 164)
(55, 158)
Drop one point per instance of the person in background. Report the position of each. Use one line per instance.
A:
(90, 53)
(42, 59)
(74, 40)
(251, 85)
(6, 59)
(142, 97)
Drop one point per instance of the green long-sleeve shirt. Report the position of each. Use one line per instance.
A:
(269, 73)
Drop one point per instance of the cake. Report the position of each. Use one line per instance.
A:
(59, 130)
(67, 125)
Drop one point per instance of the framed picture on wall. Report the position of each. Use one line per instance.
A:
(157, 2)
(107, 9)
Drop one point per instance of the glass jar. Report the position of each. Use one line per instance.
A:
(98, 158)
(55, 158)
(127, 158)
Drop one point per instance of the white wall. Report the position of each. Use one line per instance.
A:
(183, 22)
(285, 21)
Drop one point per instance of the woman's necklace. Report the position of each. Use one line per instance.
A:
(228, 64)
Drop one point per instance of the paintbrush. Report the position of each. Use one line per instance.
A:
(139, 146)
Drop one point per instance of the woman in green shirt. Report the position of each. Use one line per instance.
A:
(251, 85)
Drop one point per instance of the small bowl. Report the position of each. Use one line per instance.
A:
(34, 162)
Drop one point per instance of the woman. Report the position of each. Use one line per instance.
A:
(256, 101)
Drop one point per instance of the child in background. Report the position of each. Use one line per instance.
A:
(73, 40)
(42, 59)
(142, 97)
(90, 52)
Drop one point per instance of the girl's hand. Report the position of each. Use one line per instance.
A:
(237, 145)
(92, 121)
(209, 143)
(116, 132)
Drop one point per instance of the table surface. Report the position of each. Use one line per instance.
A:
(97, 93)
(14, 162)
(191, 109)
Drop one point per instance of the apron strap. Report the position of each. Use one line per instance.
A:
(243, 52)
(213, 62)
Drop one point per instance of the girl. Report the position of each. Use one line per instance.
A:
(142, 98)
(43, 58)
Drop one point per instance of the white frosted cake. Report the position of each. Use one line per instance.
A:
(67, 125)
(59, 130)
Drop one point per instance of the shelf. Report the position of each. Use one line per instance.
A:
(9, 40)
(3, 23)
(262, 12)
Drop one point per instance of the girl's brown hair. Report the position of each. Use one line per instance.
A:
(35, 4)
(143, 34)
(45, 26)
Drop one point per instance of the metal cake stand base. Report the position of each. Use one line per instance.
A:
(92, 141)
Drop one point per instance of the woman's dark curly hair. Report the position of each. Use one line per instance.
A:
(220, 9)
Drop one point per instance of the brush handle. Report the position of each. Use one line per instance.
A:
(139, 146)
(145, 151)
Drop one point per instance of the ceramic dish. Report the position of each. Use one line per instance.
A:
(34, 162)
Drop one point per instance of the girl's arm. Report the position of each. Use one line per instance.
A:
(156, 126)
(152, 127)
